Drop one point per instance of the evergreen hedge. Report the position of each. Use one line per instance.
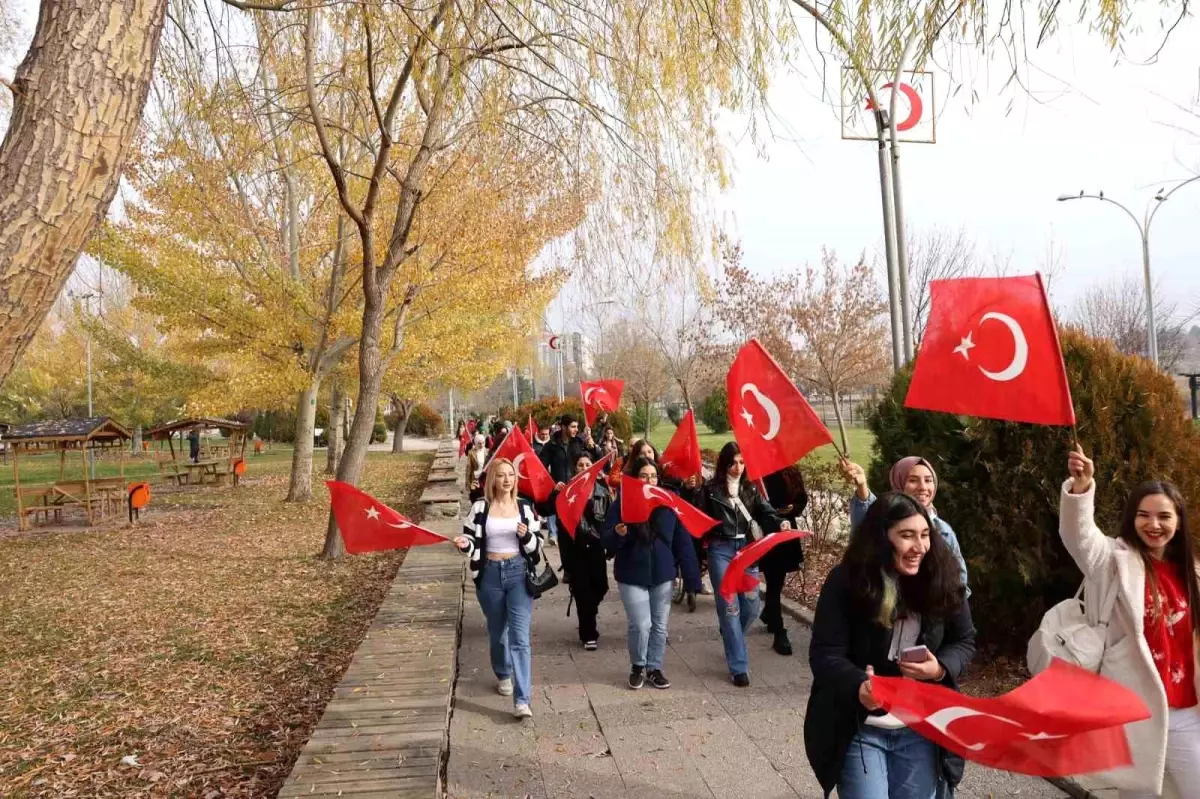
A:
(715, 411)
(999, 482)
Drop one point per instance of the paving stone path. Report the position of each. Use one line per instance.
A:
(593, 737)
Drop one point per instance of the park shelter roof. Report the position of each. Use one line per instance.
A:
(96, 428)
(162, 431)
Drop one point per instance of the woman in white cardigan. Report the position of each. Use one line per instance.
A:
(1151, 643)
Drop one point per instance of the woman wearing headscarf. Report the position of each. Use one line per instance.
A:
(785, 492)
(476, 462)
(913, 476)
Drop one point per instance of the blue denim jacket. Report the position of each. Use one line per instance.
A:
(858, 510)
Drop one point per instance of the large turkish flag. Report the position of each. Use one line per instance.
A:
(638, 501)
(368, 525)
(991, 350)
(532, 478)
(681, 458)
(574, 497)
(736, 580)
(772, 422)
(1064, 722)
(600, 396)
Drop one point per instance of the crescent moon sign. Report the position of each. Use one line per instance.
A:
(1020, 352)
(768, 405)
(554, 342)
(915, 107)
(587, 395)
(943, 718)
(517, 466)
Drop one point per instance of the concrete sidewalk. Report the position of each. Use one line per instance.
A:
(593, 737)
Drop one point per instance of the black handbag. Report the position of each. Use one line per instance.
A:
(538, 584)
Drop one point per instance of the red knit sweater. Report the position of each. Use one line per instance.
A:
(1168, 628)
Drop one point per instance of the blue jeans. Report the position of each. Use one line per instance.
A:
(648, 610)
(508, 608)
(736, 616)
(890, 764)
(552, 528)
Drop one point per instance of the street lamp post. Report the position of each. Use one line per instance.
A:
(1143, 226)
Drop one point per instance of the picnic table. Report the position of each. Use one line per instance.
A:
(202, 471)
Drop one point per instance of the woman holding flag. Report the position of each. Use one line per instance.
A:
(1151, 643)
(893, 607)
(502, 538)
(584, 558)
(742, 515)
(646, 555)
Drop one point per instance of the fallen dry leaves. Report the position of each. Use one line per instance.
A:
(189, 656)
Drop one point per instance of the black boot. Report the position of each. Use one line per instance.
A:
(782, 645)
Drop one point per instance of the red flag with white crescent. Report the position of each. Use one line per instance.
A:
(736, 581)
(600, 396)
(771, 420)
(574, 497)
(1064, 722)
(991, 350)
(681, 458)
(532, 478)
(367, 525)
(639, 499)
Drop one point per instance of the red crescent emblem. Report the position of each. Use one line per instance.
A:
(916, 107)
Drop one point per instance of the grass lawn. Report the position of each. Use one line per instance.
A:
(204, 642)
(860, 439)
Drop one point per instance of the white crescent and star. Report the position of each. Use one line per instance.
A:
(517, 466)
(768, 405)
(587, 395)
(942, 719)
(1020, 357)
(651, 492)
(373, 513)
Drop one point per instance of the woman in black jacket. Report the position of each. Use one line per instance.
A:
(895, 606)
(584, 559)
(742, 514)
(785, 492)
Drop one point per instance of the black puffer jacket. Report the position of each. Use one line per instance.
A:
(559, 457)
(844, 643)
(714, 500)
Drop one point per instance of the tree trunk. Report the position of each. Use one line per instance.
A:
(370, 380)
(404, 409)
(137, 441)
(78, 100)
(333, 435)
(300, 486)
(837, 414)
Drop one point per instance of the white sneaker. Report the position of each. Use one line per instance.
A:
(504, 687)
(522, 712)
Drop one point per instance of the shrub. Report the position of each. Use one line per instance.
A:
(425, 421)
(379, 431)
(715, 411)
(999, 482)
(675, 412)
(645, 418)
(547, 410)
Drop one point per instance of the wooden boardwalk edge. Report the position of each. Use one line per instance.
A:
(386, 729)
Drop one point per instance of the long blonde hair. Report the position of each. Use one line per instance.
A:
(491, 486)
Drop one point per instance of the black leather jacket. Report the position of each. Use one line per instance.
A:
(714, 500)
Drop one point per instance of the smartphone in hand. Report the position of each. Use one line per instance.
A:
(914, 654)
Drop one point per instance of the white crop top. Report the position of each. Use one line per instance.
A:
(502, 535)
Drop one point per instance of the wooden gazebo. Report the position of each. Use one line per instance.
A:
(93, 495)
(217, 465)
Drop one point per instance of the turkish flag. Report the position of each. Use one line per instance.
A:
(600, 396)
(736, 581)
(991, 350)
(681, 458)
(1064, 722)
(772, 422)
(532, 478)
(368, 525)
(574, 497)
(639, 499)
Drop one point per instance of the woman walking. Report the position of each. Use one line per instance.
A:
(785, 492)
(502, 538)
(584, 559)
(742, 515)
(610, 444)
(913, 476)
(646, 557)
(1151, 641)
(893, 607)
(476, 462)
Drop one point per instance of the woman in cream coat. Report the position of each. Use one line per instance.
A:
(1155, 541)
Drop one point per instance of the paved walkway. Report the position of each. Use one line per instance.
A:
(593, 737)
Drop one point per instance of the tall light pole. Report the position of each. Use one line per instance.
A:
(1143, 226)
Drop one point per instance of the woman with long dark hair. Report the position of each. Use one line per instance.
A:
(584, 559)
(646, 556)
(1151, 641)
(894, 606)
(742, 514)
(785, 492)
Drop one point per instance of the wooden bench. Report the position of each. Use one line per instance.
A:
(34, 502)
(170, 471)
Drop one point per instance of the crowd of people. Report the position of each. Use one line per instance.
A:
(898, 603)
